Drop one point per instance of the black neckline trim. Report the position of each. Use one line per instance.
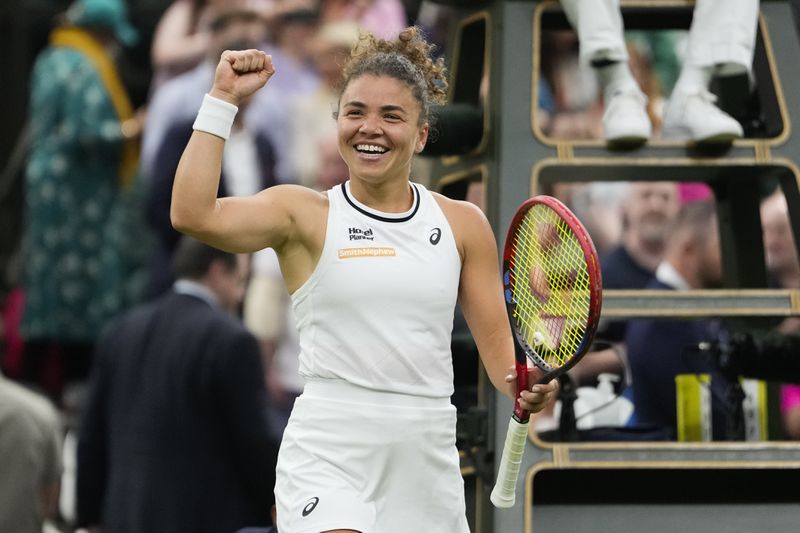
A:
(417, 201)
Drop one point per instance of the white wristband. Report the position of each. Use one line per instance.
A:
(215, 117)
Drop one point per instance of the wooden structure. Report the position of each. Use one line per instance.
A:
(629, 486)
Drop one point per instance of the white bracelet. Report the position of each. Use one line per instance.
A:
(215, 117)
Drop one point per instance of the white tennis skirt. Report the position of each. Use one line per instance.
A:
(374, 462)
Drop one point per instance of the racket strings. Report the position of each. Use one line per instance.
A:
(550, 284)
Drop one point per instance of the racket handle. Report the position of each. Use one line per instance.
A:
(505, 488)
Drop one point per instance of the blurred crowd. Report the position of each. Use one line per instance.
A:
(98, 243)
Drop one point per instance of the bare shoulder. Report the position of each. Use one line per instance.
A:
(461, 214)
(471, 228)
(304, 208)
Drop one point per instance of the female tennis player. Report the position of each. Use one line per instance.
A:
(375, 267)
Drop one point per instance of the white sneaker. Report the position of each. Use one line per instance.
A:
(694, 116)
(625, 120)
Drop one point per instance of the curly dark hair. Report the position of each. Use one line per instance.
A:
(409, 59)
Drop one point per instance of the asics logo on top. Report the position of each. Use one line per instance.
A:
(436, 234)
(358, 234)
(310, 506)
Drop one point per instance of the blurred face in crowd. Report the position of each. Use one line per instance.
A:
(328, 59)
(649, 208)
(332, 168)
(295, 38)
(331, 48)
(709, 271)
(229, 284)
(238, 32)
(779, 246)
(693, 247)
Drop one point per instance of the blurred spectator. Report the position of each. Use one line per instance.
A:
(84, 151)
(291, 39)
(661, 349)
(30, 459)
(721, 42)
(661, 48)
(332, 169)
(436, 20)
(648, 211)
(779, 244)
(268, 315)
(784, 270)
(576, 110)
(175, 434)
(790, 411)
(177, 100)
(182, 36)
(250, 159)
(382, 18)
(598, 205)
(11, 343)
(312, 116)
(290, 43)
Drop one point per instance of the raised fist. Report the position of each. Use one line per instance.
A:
(240, 73)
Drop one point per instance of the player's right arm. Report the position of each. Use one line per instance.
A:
(235, 224)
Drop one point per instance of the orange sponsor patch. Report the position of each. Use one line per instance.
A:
(366, 251)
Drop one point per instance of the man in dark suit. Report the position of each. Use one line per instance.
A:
(175, 433)
(660, 349)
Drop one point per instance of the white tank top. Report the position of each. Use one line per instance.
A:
(378, 309)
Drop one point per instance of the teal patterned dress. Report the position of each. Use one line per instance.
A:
(72, 188)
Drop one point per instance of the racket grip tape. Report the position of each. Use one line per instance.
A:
(504, 492)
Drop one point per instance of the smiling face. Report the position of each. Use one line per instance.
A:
(649, 209)
(379, 128)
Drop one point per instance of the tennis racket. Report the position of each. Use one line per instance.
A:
(553, 293)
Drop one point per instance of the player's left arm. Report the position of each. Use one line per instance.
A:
(481, 300)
